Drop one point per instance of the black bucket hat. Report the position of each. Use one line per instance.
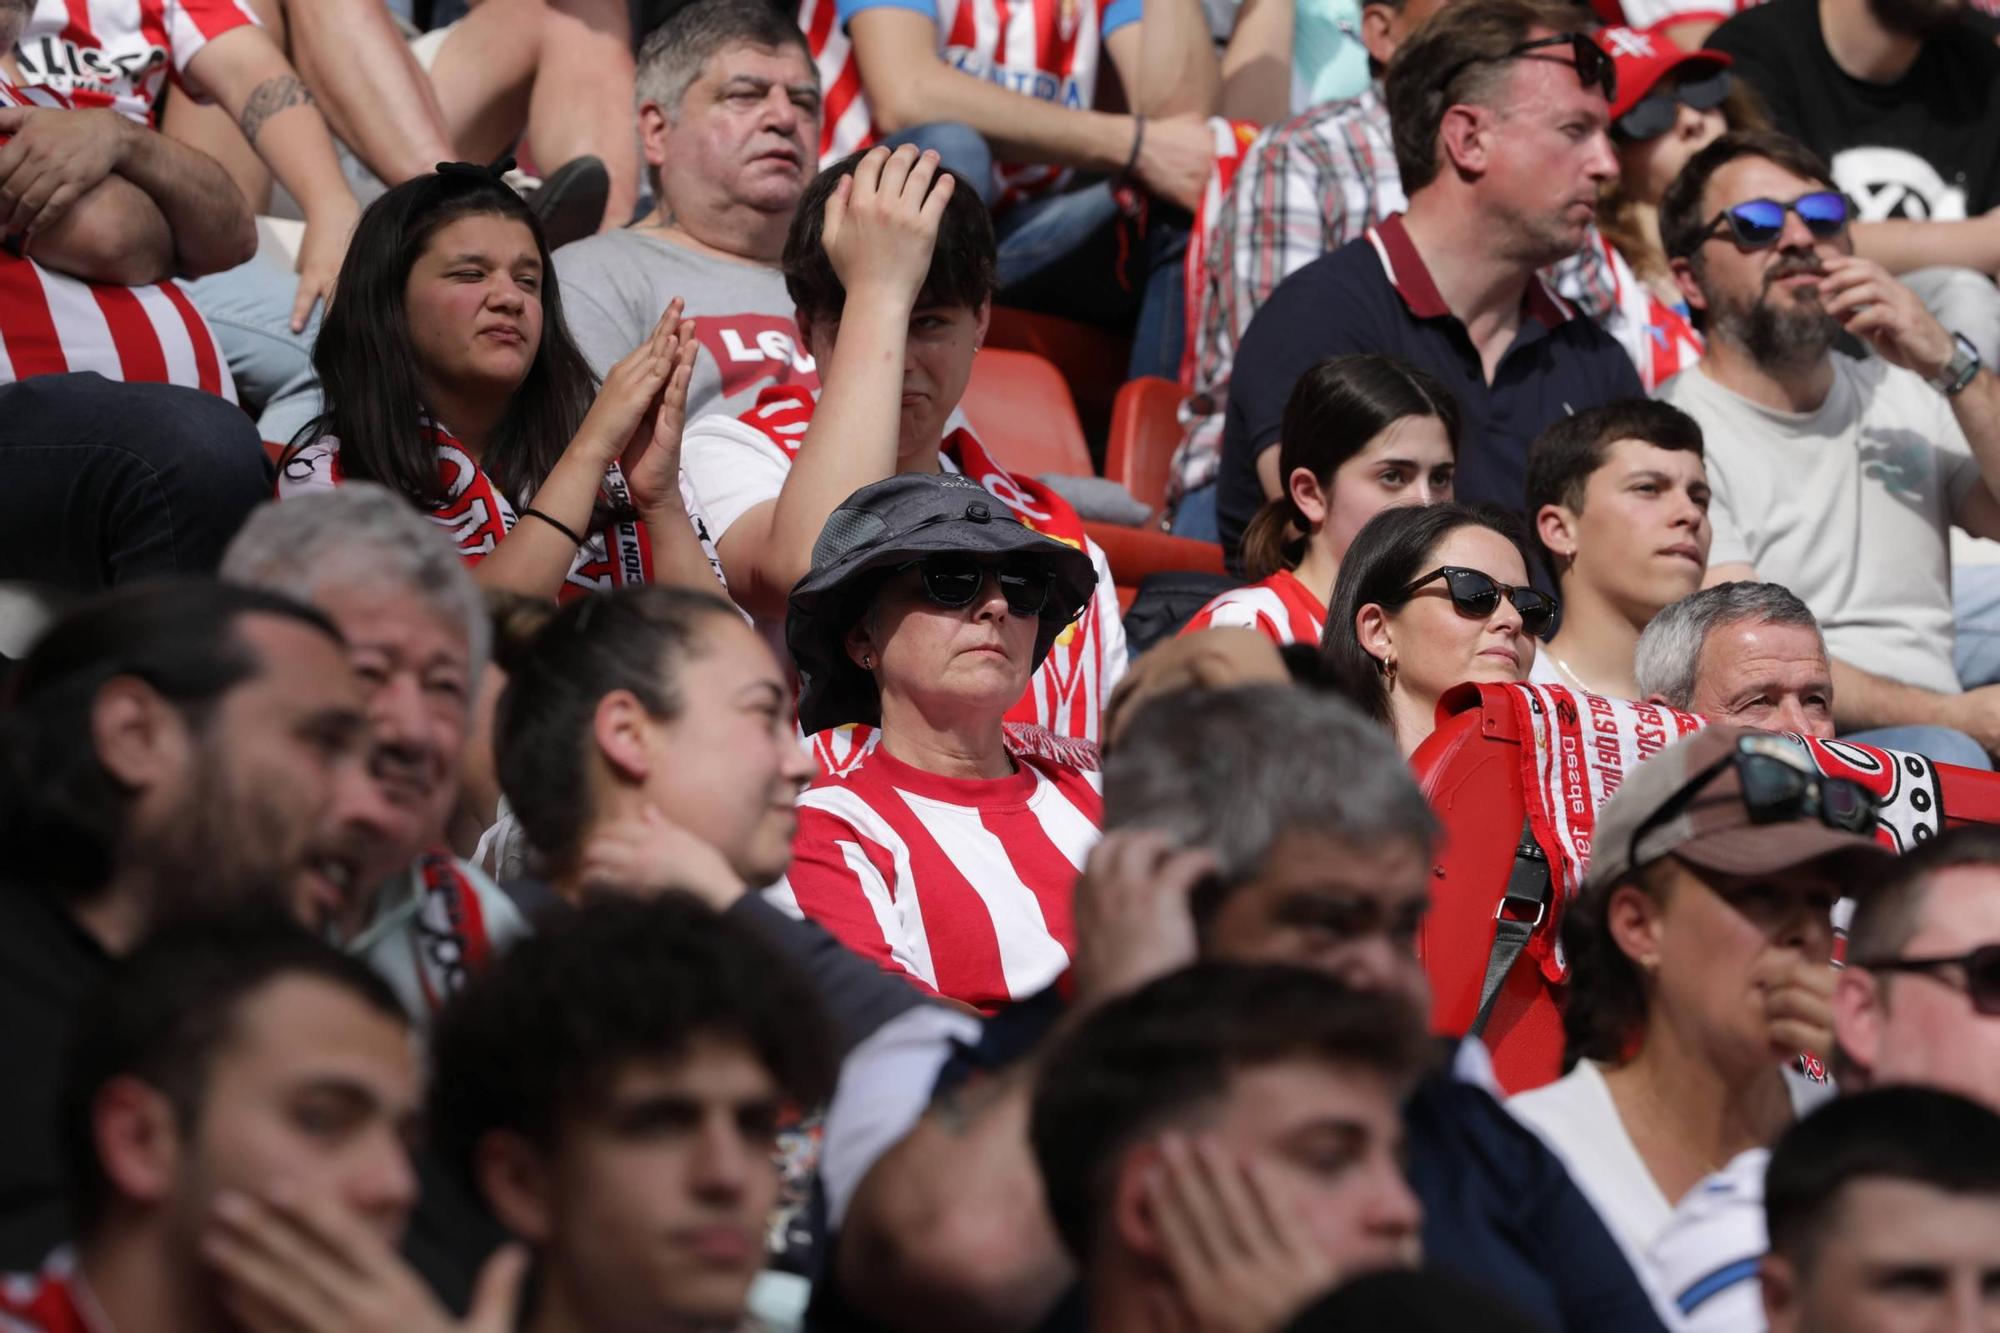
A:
(890, 523)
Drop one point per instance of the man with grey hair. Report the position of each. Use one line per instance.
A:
(417, 637)
(728, 106)
(1258, 824)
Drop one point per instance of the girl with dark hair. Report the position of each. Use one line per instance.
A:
(1429, 598)
(1360, 433)
(451, 379)
(644, 742)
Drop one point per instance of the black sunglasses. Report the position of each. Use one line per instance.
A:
(1657, 113)
(1478, 595)
(954, 582)
(1775, 791)
(1981, 969)
(1756, 224)
(1592, 64)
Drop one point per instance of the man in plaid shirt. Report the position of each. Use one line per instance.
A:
(1307, 187)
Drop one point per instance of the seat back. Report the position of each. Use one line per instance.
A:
(1471, 772)
(1145, 431)
(1021, 410)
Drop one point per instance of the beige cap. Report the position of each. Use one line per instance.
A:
(1713, 828)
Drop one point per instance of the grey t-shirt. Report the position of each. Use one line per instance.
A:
(614, 287)
(1848, 506)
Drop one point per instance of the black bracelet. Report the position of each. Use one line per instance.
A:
(1138, 142)
(563, 528)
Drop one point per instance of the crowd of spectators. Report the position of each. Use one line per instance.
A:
(560, 770)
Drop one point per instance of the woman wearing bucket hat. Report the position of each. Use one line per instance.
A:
(939, 854)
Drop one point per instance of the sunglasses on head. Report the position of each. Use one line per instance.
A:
(955, 581)
(1657, 113)
(1478, 595)
(1593, 66)
(1775, 791)
(1980, 968)
(1756, 224)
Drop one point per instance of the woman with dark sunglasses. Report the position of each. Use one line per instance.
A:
(945, 852)
(1427, 599)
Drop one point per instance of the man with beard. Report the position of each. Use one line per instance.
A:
(167, 749)
(1835, 476)
(1500, 116)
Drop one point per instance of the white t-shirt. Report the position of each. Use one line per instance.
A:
(1848, 506)
(1708, 1255)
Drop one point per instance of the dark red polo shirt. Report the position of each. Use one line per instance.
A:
(1375, 294)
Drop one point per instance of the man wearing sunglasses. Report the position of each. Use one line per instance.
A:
(1500, 113)
(1835, 476)
(1918, 1003)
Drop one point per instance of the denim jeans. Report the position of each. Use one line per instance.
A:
(1061, 254)
(250, 309)
(1940, 744)
(1195, 516)
(102, 482)
(1975, 597)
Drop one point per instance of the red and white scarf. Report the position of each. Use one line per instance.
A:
(478, 516)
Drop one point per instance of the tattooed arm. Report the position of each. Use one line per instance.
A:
(245, 71)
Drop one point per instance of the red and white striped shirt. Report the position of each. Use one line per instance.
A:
(961, 884)
(733, 464)
(1280, 608)
(118, 53)
(53, 324)
(48, 1301)
(1045, 49)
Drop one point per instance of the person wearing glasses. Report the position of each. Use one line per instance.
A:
(1699, 955)
(1835, 476)
(1918, 1004)
(940, 854)
(1499, 112)
(1429, 598)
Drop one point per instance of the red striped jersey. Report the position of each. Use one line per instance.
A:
(54, 324)
(119, 53)
(1045, 49)
(49, 1301)
(961, 884)
(1280, 608)
(733, 464)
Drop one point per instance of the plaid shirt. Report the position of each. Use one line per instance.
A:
(1306, 187)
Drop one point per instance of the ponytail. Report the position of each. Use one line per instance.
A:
(1276, 538)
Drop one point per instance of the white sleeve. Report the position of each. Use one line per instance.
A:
(1111, 623)
(732, 468)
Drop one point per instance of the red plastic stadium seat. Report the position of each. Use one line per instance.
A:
(1145, 431)
(1133, 553)
(1470, 770)
(1021, 410)
(1091, 360)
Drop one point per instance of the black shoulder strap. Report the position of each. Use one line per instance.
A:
(1522, 907)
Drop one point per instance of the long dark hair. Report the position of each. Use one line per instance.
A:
(1335, 409)
(367, 364)
(1394, 547)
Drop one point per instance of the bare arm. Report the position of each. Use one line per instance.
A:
(1167, 60)
(245, 71)
(114, 234)
(1257, 63)
(369, 86)
(1900, 245)
(211, 225)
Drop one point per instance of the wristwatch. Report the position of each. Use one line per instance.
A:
(1959, 371)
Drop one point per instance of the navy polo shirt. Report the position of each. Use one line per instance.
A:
(1374, 294)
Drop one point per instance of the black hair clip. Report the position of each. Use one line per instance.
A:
(473, 171)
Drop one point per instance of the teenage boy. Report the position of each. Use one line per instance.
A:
(890, 264)
(1618, 497)
(613, 1088)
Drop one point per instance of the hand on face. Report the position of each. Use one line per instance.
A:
(882, 224)
(1796, 995)
(1885, 314)
(1133, 921)
(289, 1264)
(651, 854)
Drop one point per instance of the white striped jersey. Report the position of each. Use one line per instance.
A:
(54, 324)
(1707, 1256)
(120, 53)
(1280, 608)
(732, 464)
(962, 885)
(48, 1301)
(1045, 49)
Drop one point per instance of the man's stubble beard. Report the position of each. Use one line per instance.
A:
(1778, 340)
